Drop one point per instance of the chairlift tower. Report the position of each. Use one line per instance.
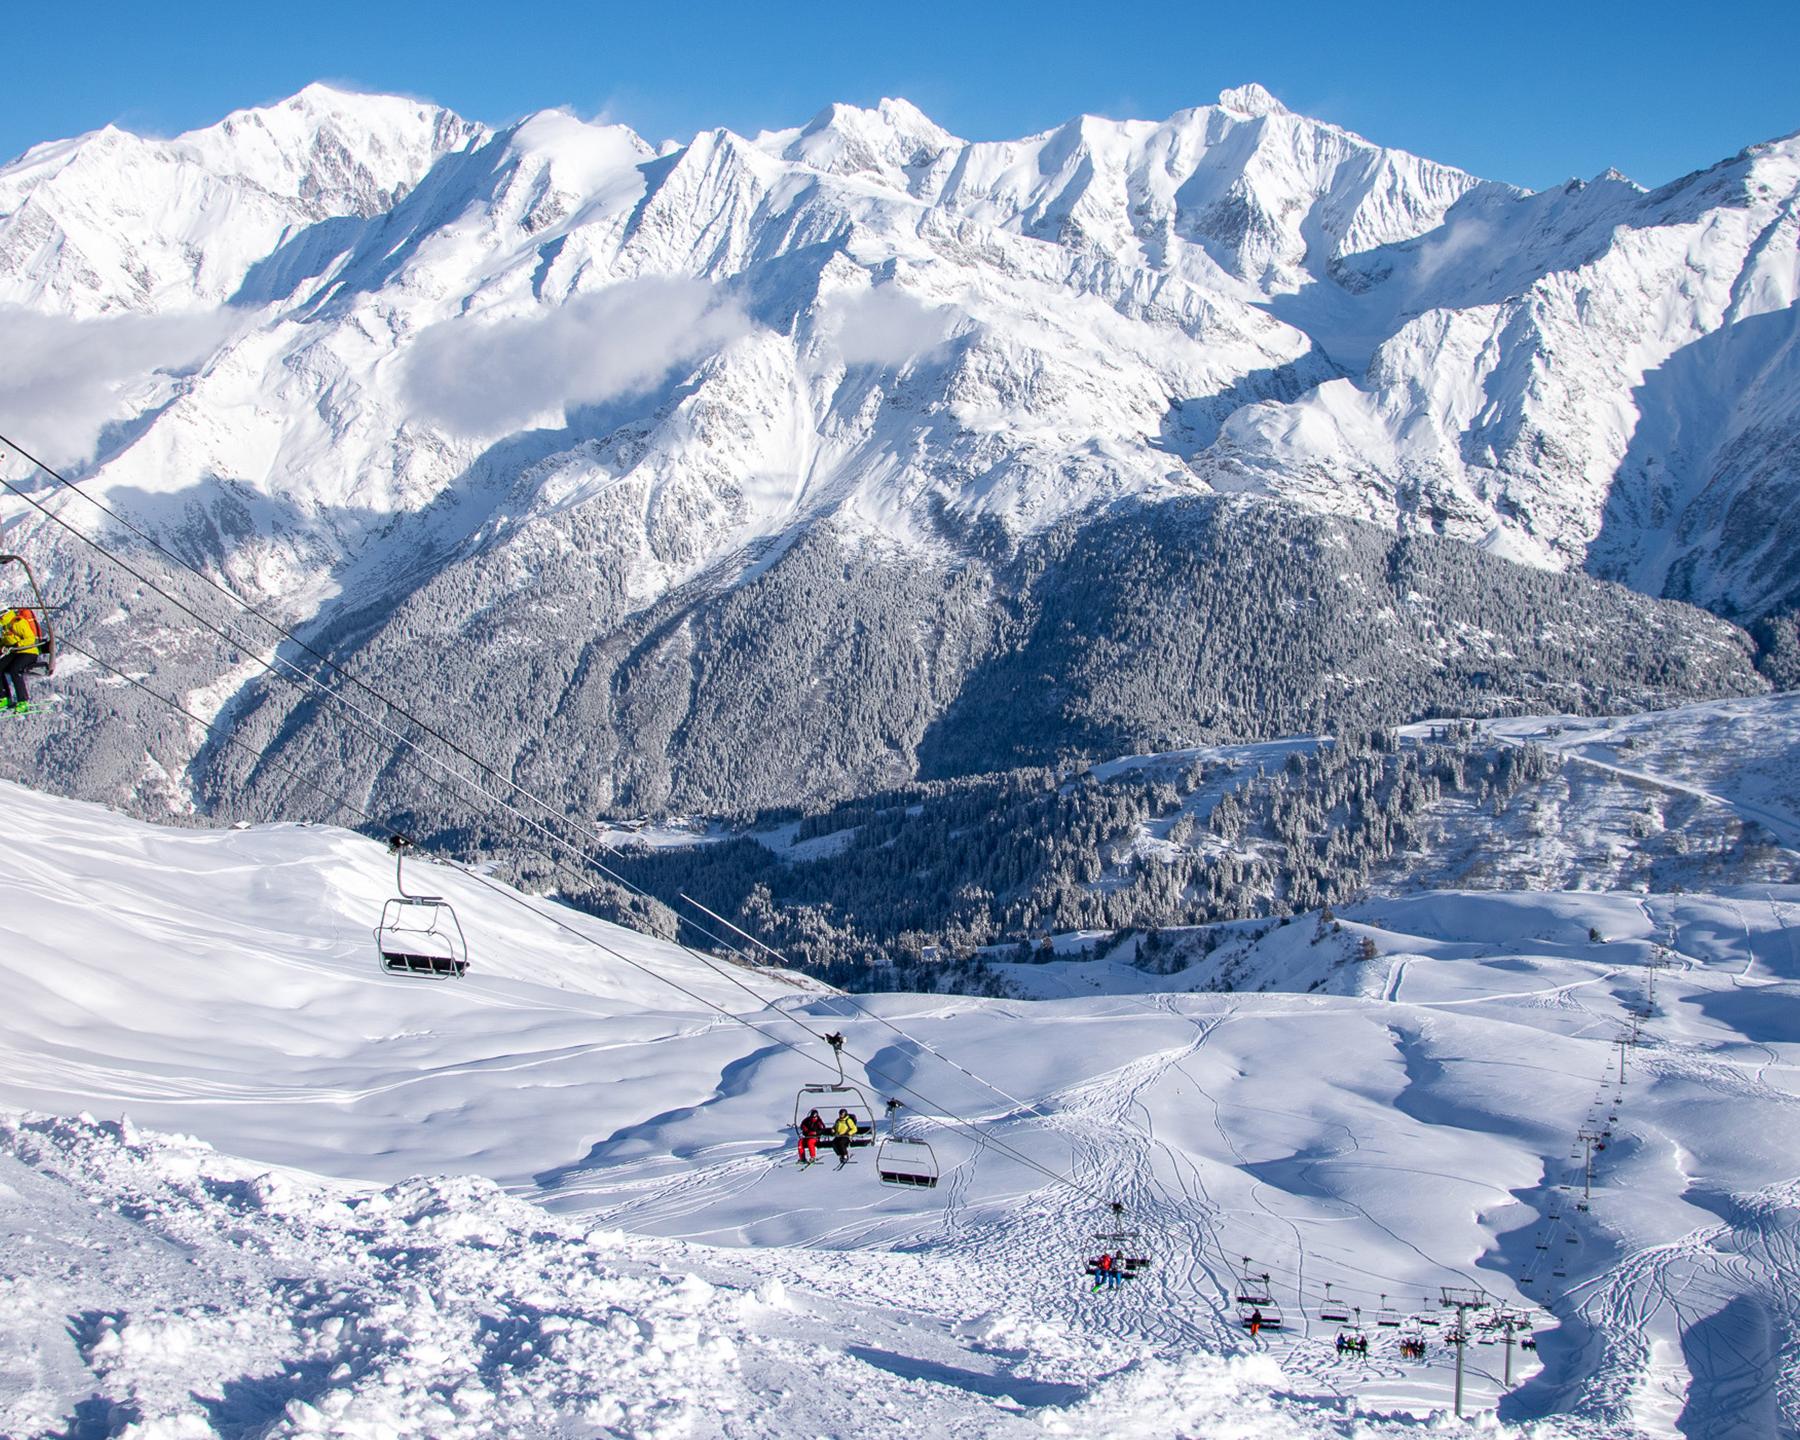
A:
(1507, 1321)
(1462, 1301)
(1591, 1139)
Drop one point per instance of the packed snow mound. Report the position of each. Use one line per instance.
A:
(174, 1293)
(596, 1124)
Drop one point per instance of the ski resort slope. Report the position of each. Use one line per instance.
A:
(219, 1110)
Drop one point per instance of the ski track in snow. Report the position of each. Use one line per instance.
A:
(619, 1239)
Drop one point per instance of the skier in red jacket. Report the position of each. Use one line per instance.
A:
(811, 1128)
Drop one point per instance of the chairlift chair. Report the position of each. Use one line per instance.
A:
(1333, 1312)
(419, 935)
(40, 612)
(905, 1160)
(1387, 1317)
(841, 1096)
(1255, 1304)
(1125, 1246)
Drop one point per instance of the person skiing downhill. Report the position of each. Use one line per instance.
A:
(811, 1128)
(841, 1132)
(20, 643)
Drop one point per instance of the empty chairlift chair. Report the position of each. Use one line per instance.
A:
(1333, 1312)
(1387, 1317)
(905, 1160)
(419, 935)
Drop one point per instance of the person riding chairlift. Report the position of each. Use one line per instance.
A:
(811, 1128)
(841, 1132)
(21, 643)
(1106, 1271)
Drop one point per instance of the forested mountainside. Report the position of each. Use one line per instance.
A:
(964, 870)
(842, 669)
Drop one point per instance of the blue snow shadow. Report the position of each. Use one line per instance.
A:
(1029, 1393)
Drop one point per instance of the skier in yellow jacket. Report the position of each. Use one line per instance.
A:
(840, 1136)
(20, 642)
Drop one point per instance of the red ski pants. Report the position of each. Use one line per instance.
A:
(809, 1147)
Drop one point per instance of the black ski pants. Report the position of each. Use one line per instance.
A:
(12, 677)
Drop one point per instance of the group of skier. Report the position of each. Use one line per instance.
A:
(1107, 1269)
(812, 1130)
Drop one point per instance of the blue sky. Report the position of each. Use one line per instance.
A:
(1524, 91)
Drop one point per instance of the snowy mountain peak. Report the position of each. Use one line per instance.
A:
(889, 143)
(113, 222)
(1251, 100)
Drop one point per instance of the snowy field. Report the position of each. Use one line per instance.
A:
(218, 1113)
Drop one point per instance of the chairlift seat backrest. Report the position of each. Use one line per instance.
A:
(419, 935)
(1265, 1313)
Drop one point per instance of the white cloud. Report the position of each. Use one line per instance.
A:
(62, 380)
(884, 326)
(1450, 244)
(491, 378)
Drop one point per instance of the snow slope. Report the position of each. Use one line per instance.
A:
(1397, 1133)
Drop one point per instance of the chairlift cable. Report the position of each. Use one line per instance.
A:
(301, 675)
(239, 644)
(286, 634)
(552, 836)
(213, 728)
(879, 1019)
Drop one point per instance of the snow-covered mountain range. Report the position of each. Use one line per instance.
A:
(440, 390)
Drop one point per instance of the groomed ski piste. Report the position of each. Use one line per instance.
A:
(252, 1186)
